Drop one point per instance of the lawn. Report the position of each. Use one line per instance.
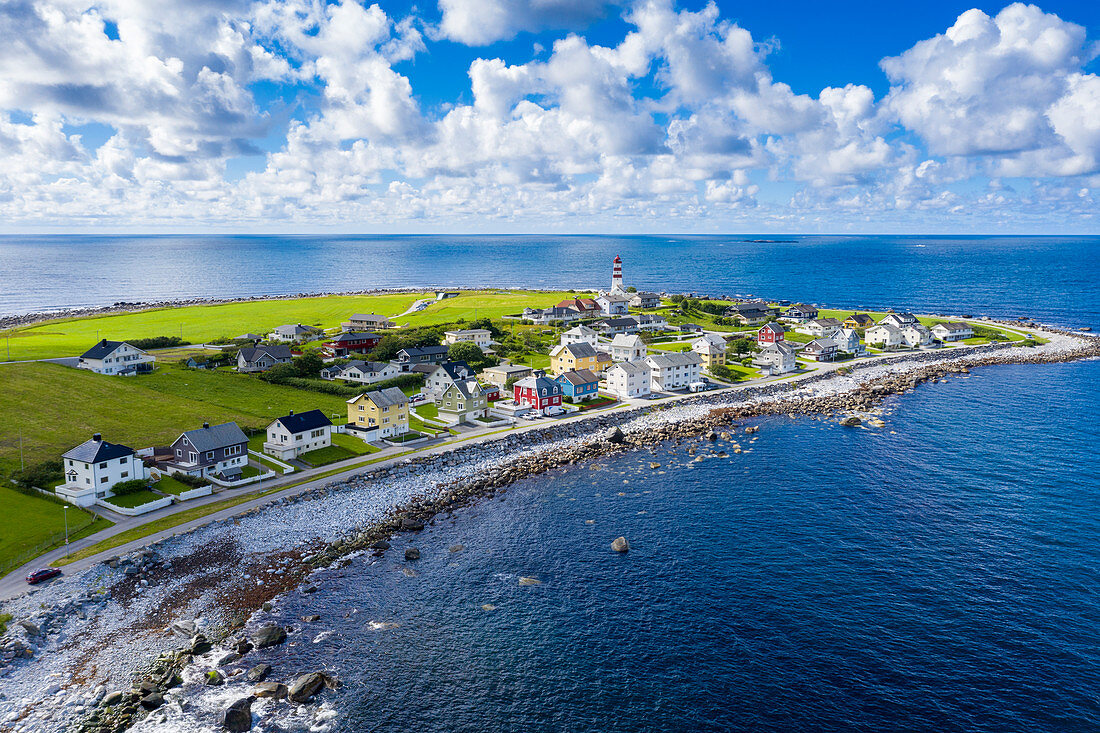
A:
(200, 323)
(55, 408)
(135, 499)
(172, 486)
(481, 304)
(27, 522)
(535, 361)
(429, 410)
(324, 456)
(670, 346)
(353, 444)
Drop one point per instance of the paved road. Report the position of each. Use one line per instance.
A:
(13, 584)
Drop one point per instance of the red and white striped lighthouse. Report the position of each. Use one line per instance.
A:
(617, 275)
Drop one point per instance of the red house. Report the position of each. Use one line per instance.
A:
(354, 341)
(539, 392)
(584, 306)
(769, 333)
(491, 392)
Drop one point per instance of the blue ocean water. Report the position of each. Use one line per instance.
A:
(1055, 279)
(938, 574)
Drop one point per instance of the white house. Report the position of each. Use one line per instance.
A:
(292, 435)
(650, 321)
(952, 331)
(916, 335)
(368, 372)
(884, 335)
(847, 341)
(898, 320)
(645, 300)
(480, 337)
(627, 379)
(777, 358)
(116, 357)
(673, 370)
(627, 347)
(443, 376)
(579, 334)
(94, 467)
(293, 332)
(613, 304)
(820, 327)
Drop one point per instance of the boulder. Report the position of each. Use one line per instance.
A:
(851, 422)
(619, 544)
(276, 690)
(238, 716)
(184, 628)
(380, 545)
(614, 435)
(457, 548)
(414, 525)
(259, 673)
(526, 580)
(112, 698)
(270, 635)
(654, 465)
(152, 701)
(305, 687)
(213, 678)
(312, 618)
(411, 553)
(199, 645)
(31, 628)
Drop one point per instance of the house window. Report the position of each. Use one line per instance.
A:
(103, 480)
(70, 463)
(103, 465)
(210, 455)
(125, 474)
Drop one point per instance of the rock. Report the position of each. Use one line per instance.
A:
(457, 548)
(410, 524)
(311, 619)
(851, 422)
(184, 628)
(259, 673)
(614, 435)
(152, 701)
(654, 465)
(619, 544)
(112, 698)
(525, 580)
(227, 658)
(267, 606)
(488, 607)
(380, 545)
(411, 553)
(199, 646)
(31, 629)
(270, 635)
(275, 690)
(306, 686)
(242, 646)
(213, 678)
(238, 716)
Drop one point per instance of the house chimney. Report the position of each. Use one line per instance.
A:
(97, 437)
(292, 413)
(206, 424)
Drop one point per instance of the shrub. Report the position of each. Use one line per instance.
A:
(41, 475)
(122, 488)
(158, 342)
(194, 482)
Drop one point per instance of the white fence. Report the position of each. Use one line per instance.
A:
(152, 506)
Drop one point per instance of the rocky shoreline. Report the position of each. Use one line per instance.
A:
(221, 643)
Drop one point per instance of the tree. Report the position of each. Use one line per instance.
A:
(632, 289)
(677, 298)
(466, 351)
(743, 346)
(308, 365)
(279, 371)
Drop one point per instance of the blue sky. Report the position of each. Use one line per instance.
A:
(549, 115)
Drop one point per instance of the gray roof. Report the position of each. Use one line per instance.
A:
(822, 344)
(93, 451)
(424, 350)
(386, 397)
(954, 326)
(579, 350)
(781, 347)
(215, 436)
(506, 369)
(102, 349)
(469, 388)
(632, 367)
(455, 369)
(275, 351)
(295, 329)
(674, 358)
(579, 376)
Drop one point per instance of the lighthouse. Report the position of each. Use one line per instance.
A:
(617, 275)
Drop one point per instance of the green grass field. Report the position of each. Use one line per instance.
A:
(28, 521)
(169, 485)
(353, 444)
(201, 323)
(134, 500)
(324, 456)
(55, 407)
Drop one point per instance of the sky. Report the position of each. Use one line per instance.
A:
(570, 116)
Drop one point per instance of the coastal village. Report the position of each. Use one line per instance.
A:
(409, 387)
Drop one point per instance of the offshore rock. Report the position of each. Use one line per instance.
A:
(619, 544)
(238, 716)
(411, 553)
(270, 635)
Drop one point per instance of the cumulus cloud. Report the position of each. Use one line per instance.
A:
(678, 122)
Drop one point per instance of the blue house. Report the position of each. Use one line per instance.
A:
(580, 384)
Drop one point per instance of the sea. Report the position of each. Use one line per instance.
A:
(1053, 279)
(941, 573)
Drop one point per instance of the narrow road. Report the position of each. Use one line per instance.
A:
(13, 584)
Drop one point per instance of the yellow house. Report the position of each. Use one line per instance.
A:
(573, 357)
(859, 320)
(711, 349)
(383, 413)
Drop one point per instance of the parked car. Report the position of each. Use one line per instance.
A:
(418, 397)
(37, 576)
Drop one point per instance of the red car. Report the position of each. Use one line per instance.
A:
(37, 576)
